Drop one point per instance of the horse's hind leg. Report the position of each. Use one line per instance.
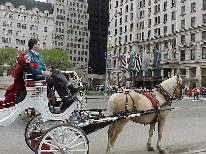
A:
(160, 130)
(149, 148)
(114, 129)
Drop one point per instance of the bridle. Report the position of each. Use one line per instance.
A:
(166, 95)
(179, 86)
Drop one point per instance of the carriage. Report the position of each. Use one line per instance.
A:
(54, 131)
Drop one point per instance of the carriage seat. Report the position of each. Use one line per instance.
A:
(32, 80)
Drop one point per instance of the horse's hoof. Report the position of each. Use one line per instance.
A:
(162, 152)
(151, 149)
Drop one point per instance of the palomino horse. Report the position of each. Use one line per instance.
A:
(163, 94)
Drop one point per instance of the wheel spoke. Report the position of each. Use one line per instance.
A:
(45, 142)
(76, 144)
(74, 140)
(54, 139)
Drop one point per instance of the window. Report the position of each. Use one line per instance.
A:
(192, 21)
(183, 23)
(165, 18)
(193, 37)
(182, 58)
(173, 3)
(204, 5)
(149, 33)
(183, 39)
(165, 29)
(126, 8)
(131, 26)
(45, 29)
(125, 28)
(132, 6)
(165, 6)
(173, 28)
(120, 30)
(192, 54)
(183, 11)
(173, 15)
(125, 38)
(149, 23)
(166, 44)
(204, 18)
(149, 11)
(193, 8)
(142, 35)
(203, 52)
(131, 16)
(126, 18)
(204, 35)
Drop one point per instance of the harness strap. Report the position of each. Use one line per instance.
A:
(166, 95)
(126, 105)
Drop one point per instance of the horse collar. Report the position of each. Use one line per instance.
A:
(166, 95)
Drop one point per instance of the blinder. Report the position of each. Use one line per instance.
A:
(178, 90)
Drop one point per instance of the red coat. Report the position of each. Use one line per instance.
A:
(190, 91)
(18, 85)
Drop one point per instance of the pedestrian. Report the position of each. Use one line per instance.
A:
(54, 77)
(190, 92)
(185, 91)
(195, 93)
(201, 92)
(205, 92)
(198, 92)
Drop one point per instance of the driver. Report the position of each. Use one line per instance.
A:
(54, 77)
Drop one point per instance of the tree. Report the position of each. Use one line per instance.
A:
(8, 55)
(56, 58)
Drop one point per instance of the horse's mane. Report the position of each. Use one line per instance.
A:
(169, 84)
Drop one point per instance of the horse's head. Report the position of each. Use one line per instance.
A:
(178, 88)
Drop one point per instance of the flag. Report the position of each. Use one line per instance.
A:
(145, 61)
(127, 61)
(130, 64)
(137, 62)
(157, 58)
(122, 62)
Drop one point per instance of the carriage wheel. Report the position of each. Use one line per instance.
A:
(35, 128)
(63, 139)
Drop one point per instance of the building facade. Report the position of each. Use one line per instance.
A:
(71, 32)
(19, 23)
(98, 25)
(175, 28)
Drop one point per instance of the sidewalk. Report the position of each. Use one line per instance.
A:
(192, 98)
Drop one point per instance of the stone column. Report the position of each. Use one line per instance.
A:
(187, 84)
(198, 76)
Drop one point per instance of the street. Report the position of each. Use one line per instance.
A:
(184, 131)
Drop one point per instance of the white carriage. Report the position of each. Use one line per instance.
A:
(64, 132)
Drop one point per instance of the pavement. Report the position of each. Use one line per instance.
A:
(202, 149)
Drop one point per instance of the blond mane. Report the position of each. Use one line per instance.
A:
(170, 84)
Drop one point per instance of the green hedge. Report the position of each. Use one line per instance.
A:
(92, 92)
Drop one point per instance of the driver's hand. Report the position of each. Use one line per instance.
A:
(47, 73)
(49, 68)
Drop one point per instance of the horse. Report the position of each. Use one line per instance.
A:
(163, 94)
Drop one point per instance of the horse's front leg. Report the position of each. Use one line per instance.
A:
(160, 130)
(149, 148)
